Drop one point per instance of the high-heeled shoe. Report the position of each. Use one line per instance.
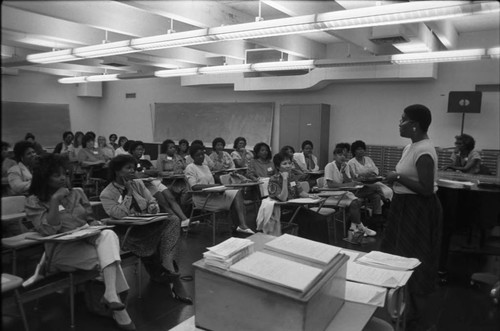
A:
(115, 305)
(187, 300)
(127, 327)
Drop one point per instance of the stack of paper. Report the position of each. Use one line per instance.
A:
(278, 271)
(384, 260)
(376, 276)
(363, 293)
(303, 248)
(228, 252)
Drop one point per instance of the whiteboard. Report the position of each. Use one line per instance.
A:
(46, 121)
(206, 121)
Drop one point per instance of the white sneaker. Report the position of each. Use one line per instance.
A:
(247, 230)
(185, 223)
(368, 232)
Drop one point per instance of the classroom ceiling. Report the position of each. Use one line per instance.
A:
(30, 27)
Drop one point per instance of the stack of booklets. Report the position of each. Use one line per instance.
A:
(228, 252)
(389, 261)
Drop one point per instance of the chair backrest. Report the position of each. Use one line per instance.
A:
(225, 179)
(153, 162)
(320, 182)
(263, 187)
(305, 186)
(13, 204)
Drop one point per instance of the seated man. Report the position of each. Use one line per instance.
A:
(335, 177)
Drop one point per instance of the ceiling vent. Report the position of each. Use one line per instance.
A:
(392, 34)
(261, 55)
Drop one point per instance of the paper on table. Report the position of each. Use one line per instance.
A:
(5, 279)
(363, 293)
(277, 270)
(303, 248)
(215, 188)
(352, 255)
(456, 182)
(304, 200)
(376, 276)
(385, 260)
(230, 246)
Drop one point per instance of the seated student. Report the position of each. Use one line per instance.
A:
(465, 158)
(199, 177)
(77, 146)
(36, 146)
(121, 146)
(65, 147)
(107, 151)
(7, 162)
(91, 157)
(362, 167)
(155, 243)
(171, 163)
(183, 149)
(334, 177)
(241, 156)
(19, 175)
(53, 208)
(162, 194)
(306, 160)
(206, 161)
(112, 141)
(261, 166)
(296, 171)
(221, 159)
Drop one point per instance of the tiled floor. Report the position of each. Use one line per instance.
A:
(456, 306)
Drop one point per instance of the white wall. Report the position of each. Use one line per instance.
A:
(367, 111)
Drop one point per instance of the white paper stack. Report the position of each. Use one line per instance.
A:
(367, 294)
(228, 252)
(376, 276)
(389, 261)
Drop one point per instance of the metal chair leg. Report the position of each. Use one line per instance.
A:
(14, 262)
(139, 278)
(72, 299)
(21, 310)
(213, 229)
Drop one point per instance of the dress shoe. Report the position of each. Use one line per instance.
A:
(127, 327)
(184, 299)
(115, 305)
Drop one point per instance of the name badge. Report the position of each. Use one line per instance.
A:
(292, 184)
(270, 169)
(169, 158)
(120, 199)
(95, 152)
(61, 208)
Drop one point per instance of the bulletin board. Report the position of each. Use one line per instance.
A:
(46, 121)
(206, 121)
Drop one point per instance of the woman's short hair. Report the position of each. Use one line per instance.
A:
(197, 142)
(134, 144)
(467, 140)
(5, 145)
(195, 148)
(307, 142)
(237, 141)
(122, 138)
(164, 145)
(92, 133)
(67, 133)
(420, 114)
(77, 135)
(345, 146)
(46, 166)
(257, 148)
(86, 138)
(280, 157)
(217, 141)
(126, 146)
(29, 135)
(117, 163)
(20, 148)
(286, 148)
(357, 144)
(338, 150)
(184, 141)
(113, 135)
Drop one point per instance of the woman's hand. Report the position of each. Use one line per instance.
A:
(153, 208)
(128, 186)
(60, 194)
(391, 177)
(285, 175)
(95, 222)
(313, 196)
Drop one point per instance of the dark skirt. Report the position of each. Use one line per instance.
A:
(414, 230)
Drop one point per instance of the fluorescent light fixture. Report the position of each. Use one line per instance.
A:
(102, 78)
(412, 47)
(73, 80)
(176, 72)
(444, 56)
(400, 13)
(494, 52)
(283, 65)
(225, 69)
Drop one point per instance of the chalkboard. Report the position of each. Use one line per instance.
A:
(45, 121)
(206, 121)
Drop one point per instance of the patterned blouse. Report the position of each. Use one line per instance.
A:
(276, 186)
(175, 164)
(222, 161)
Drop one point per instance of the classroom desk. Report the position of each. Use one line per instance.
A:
(465, 206)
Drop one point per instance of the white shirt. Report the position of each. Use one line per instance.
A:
(333, 173)
(355, 168)
(407, 165)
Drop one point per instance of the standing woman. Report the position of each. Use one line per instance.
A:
(241, 156)
(19, 175)
(155, 243)
(414, 222)
(53, 208)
